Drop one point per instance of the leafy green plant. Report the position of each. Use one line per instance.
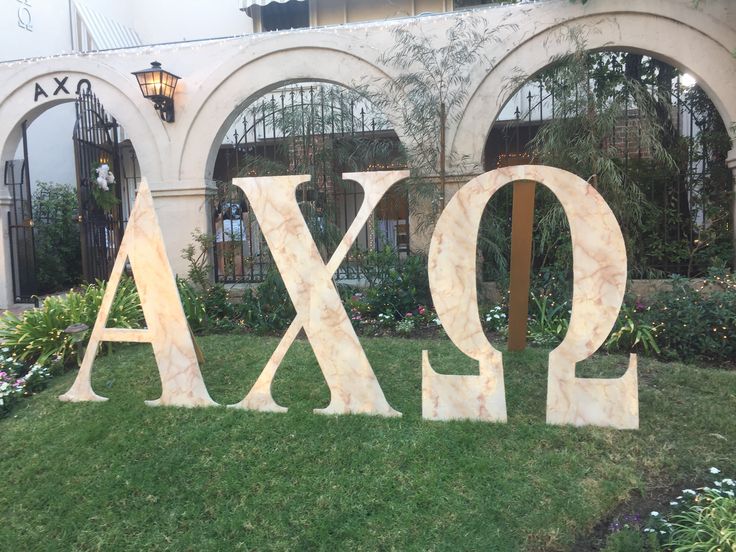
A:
(405, 326)
(632, 334)
(428, 92)
(194, 305)
(18, 380)
(395, 286)
(709, 524)
(630, 539)
(38, 335)
(268, 308)
(549, 320)
(494, 319)
(56, 234)
(197, 255)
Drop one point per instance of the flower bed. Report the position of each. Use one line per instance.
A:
(17, 380)
(697, 519)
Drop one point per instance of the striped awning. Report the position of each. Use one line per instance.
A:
(106, 33)
(247, 5)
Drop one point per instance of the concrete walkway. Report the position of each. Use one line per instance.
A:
(18, 308)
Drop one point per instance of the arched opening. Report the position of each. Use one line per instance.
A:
(71, 179)
(314, 128)
(647, 137)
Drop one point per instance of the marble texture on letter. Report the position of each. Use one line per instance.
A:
(599, 268)
(599, 283)
(452, 283)
(353, 385)
(167, 328)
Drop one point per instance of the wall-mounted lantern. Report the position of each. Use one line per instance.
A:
(158, 85)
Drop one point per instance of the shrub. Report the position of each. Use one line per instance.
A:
(494, 319)
(269, 307)
(697, 323)
(38, 335)
(194, 305)
(548, 320)
(701, 520)
(197, 255)
(405, 326)
(395, 286)
(630, 539)
(632, 333)
(706, 520)
(18, 379)
(13, 385)
(56, 234)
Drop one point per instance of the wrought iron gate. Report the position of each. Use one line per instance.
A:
(312, 128)
(96, 142)
(686, 202)
(20, 224)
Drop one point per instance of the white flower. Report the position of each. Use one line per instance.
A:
(729, 493)
(654, 514)
(714, 471)
(673, 503)
(648, 530)
(728, 481)
(104, 177)
(689, 492)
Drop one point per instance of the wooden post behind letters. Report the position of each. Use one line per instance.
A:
(522, 226)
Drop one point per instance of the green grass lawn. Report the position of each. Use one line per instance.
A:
(123, 476)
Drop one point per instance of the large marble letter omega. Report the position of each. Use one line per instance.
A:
(599, 271)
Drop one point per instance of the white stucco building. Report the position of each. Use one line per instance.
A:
(222, 75)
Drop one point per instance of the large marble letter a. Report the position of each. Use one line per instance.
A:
(167, 329)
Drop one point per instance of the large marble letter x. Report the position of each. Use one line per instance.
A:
(353, 385)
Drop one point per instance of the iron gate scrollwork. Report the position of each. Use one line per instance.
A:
(319, 129)
(96, 142)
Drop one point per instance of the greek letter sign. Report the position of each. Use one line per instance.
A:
(599, 270)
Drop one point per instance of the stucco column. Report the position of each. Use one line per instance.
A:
(183, 208)
(731, 162)
(6, 276)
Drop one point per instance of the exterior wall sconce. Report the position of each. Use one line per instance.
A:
(158, 85)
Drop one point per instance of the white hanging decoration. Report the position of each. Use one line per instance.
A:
(105, 177)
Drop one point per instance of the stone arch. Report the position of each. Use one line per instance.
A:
(219, 106)
(649, 34)
(118, 92)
